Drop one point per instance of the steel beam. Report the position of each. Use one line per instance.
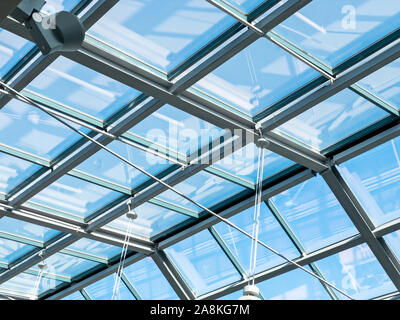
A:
(7, 7)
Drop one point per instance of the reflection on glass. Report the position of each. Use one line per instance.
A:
(151, 220)
(103, 289)
(332, 31)
(13, 171)
(74, 197)
(82, 89)
(149, 281)
(314, 214)
(357, 272)
(53, 6)
(26, 229)
(204, 188)
(203, 263)
(176, 30)
(393, 239)
(25, 127)
(12, 250)
(74, 296)
(332, 120)
(270, 232)
(385, 83)
(373, 176)
(245, 5)
(232, 296)
(177, 130)
(243, 163)
(293, 285)
(256, 77)
(105, 165)
(95, 248)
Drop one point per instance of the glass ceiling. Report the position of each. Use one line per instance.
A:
(182, 89)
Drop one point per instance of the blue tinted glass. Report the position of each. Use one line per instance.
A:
(376, 186)
(82, 89)
(12, 50)
(245, 5)
(204, 188)
(26, 229)
(149, 281)
(257, 77)
(53, 6)
(74, 197)
(233, 296)
(95, 248)
(332, 31)
(270, 232)
(151, 220)
(293, 285)
(243, 163)
(27, 128)
(333, 120)
(357, 272)
(104, 165)
(177, 130)
(74, 296)
(103, 289)
(314, 214)
(385, 83)
(14, 171)
(393, 239)
(203, 263)
(176, 30)
(12, 250)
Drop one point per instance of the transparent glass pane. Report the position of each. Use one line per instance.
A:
(95, 248)
(393, 240)
(151, 220)
(103, 289)
(74, 197)
(257, 77)
(25, 127)
(245, 6)
(74, 296)
(202, 262)
(332, 31)
(204, 188)
(149, 281)
(232, 296)
(177, 130)
(53, 6)
(293, 285)
(385, 83)
(176, 30)
(357, 272)
(26, 229)
(244, 163)
(82, 89)
(314, 214)
(105, 165)
(13, 171)
(12, 50)
(12, 250)
(270, 232)
(373, 176)
(332, 120)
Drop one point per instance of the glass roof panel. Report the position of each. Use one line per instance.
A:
(52, 6)
(82, 89)
(245, 6)
(12, 50)
(357, 272)
(74, 197)
(332, 120)
(12, 250)
(243, 163)
(25, 127)
(177, 130)
(151, 220)
(149, 281)
(257, 77)
(203, 263)
(95, 248)
(103, 289)
(333, 31)
(106, 166)
(14, 171)
(293, 285)
(204, 188)
(232, 296)
(270, 232)
(376, 186)
(385, 83)
(314, 214)
(74, 296)
(175, 31)
(393, 240)
(27, 230)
